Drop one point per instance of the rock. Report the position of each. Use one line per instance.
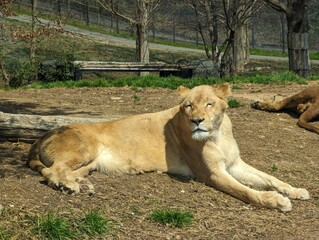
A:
(205, 68)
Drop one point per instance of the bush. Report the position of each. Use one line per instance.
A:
(21, 73)
(57, 70)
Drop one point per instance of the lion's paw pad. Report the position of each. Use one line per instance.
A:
(85, 186)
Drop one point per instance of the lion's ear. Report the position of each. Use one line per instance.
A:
(223, 90)
(182, 90)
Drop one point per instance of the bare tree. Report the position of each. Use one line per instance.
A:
(232, 15)
(140, 19)
(236, 46)
(297, 37)
(206, 15)
(5, 6)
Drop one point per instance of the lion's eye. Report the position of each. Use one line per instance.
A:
(189, 105)
(209, 104)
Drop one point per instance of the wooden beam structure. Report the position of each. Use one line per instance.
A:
(164, 69)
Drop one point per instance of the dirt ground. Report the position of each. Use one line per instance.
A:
(271, 142)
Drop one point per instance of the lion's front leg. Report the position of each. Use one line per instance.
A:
(223, 181)
(250, 176)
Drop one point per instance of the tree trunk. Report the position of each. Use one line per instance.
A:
(212, 22)
(241, 48)
(298, 48)
(142, 48)
(283, 34)
(28, 128)
(33, 32)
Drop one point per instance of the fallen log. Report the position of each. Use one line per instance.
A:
(28, 128)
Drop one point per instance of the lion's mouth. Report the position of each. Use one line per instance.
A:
(199, 130)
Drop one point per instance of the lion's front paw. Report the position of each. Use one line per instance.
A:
(255, 104)
(299, 193)
(284, 204)
(275, 200)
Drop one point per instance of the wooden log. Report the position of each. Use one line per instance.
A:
(28, 128)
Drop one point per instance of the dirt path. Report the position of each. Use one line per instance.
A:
(272, 142)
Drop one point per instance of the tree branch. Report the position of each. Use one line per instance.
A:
(111, 8)
(278, 6)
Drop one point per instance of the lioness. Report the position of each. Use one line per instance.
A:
(192, 139)
(304, 103)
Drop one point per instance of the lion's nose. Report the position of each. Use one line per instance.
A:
(197, 121)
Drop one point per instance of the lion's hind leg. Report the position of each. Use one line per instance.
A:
(311, 113)
(69, 179)
(290, 103)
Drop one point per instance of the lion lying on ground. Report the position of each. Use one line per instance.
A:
(305, 104)
(192, 139)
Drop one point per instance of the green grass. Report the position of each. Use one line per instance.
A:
(172, 82)
(5, 233)
(54, 227)
(270, 53)
(234, 103)
(274, 168)
(314, 56)
(174, 218)
(136, 98)
(94, 224)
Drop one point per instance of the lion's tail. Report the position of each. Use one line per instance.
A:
(34, 160)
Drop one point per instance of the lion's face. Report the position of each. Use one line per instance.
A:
(203, 109)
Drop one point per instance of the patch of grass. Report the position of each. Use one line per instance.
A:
(94, 224)
(175, 218)
(136, 98)
(98, 29)
(314, 77)
(234, 103)
(274, 168)
(172, 82)
(279, 78)
(54, 227)
(314, 56)
(5, 233)
(264, 52)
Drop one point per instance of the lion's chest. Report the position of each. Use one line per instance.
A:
(223, 151)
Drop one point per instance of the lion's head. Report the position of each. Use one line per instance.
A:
(203, 109)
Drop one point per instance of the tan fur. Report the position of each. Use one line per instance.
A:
(192, 139)
(304, 103)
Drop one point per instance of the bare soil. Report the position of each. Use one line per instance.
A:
(271, 142)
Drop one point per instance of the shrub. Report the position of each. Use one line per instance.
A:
(57, 70)
(21, 73)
